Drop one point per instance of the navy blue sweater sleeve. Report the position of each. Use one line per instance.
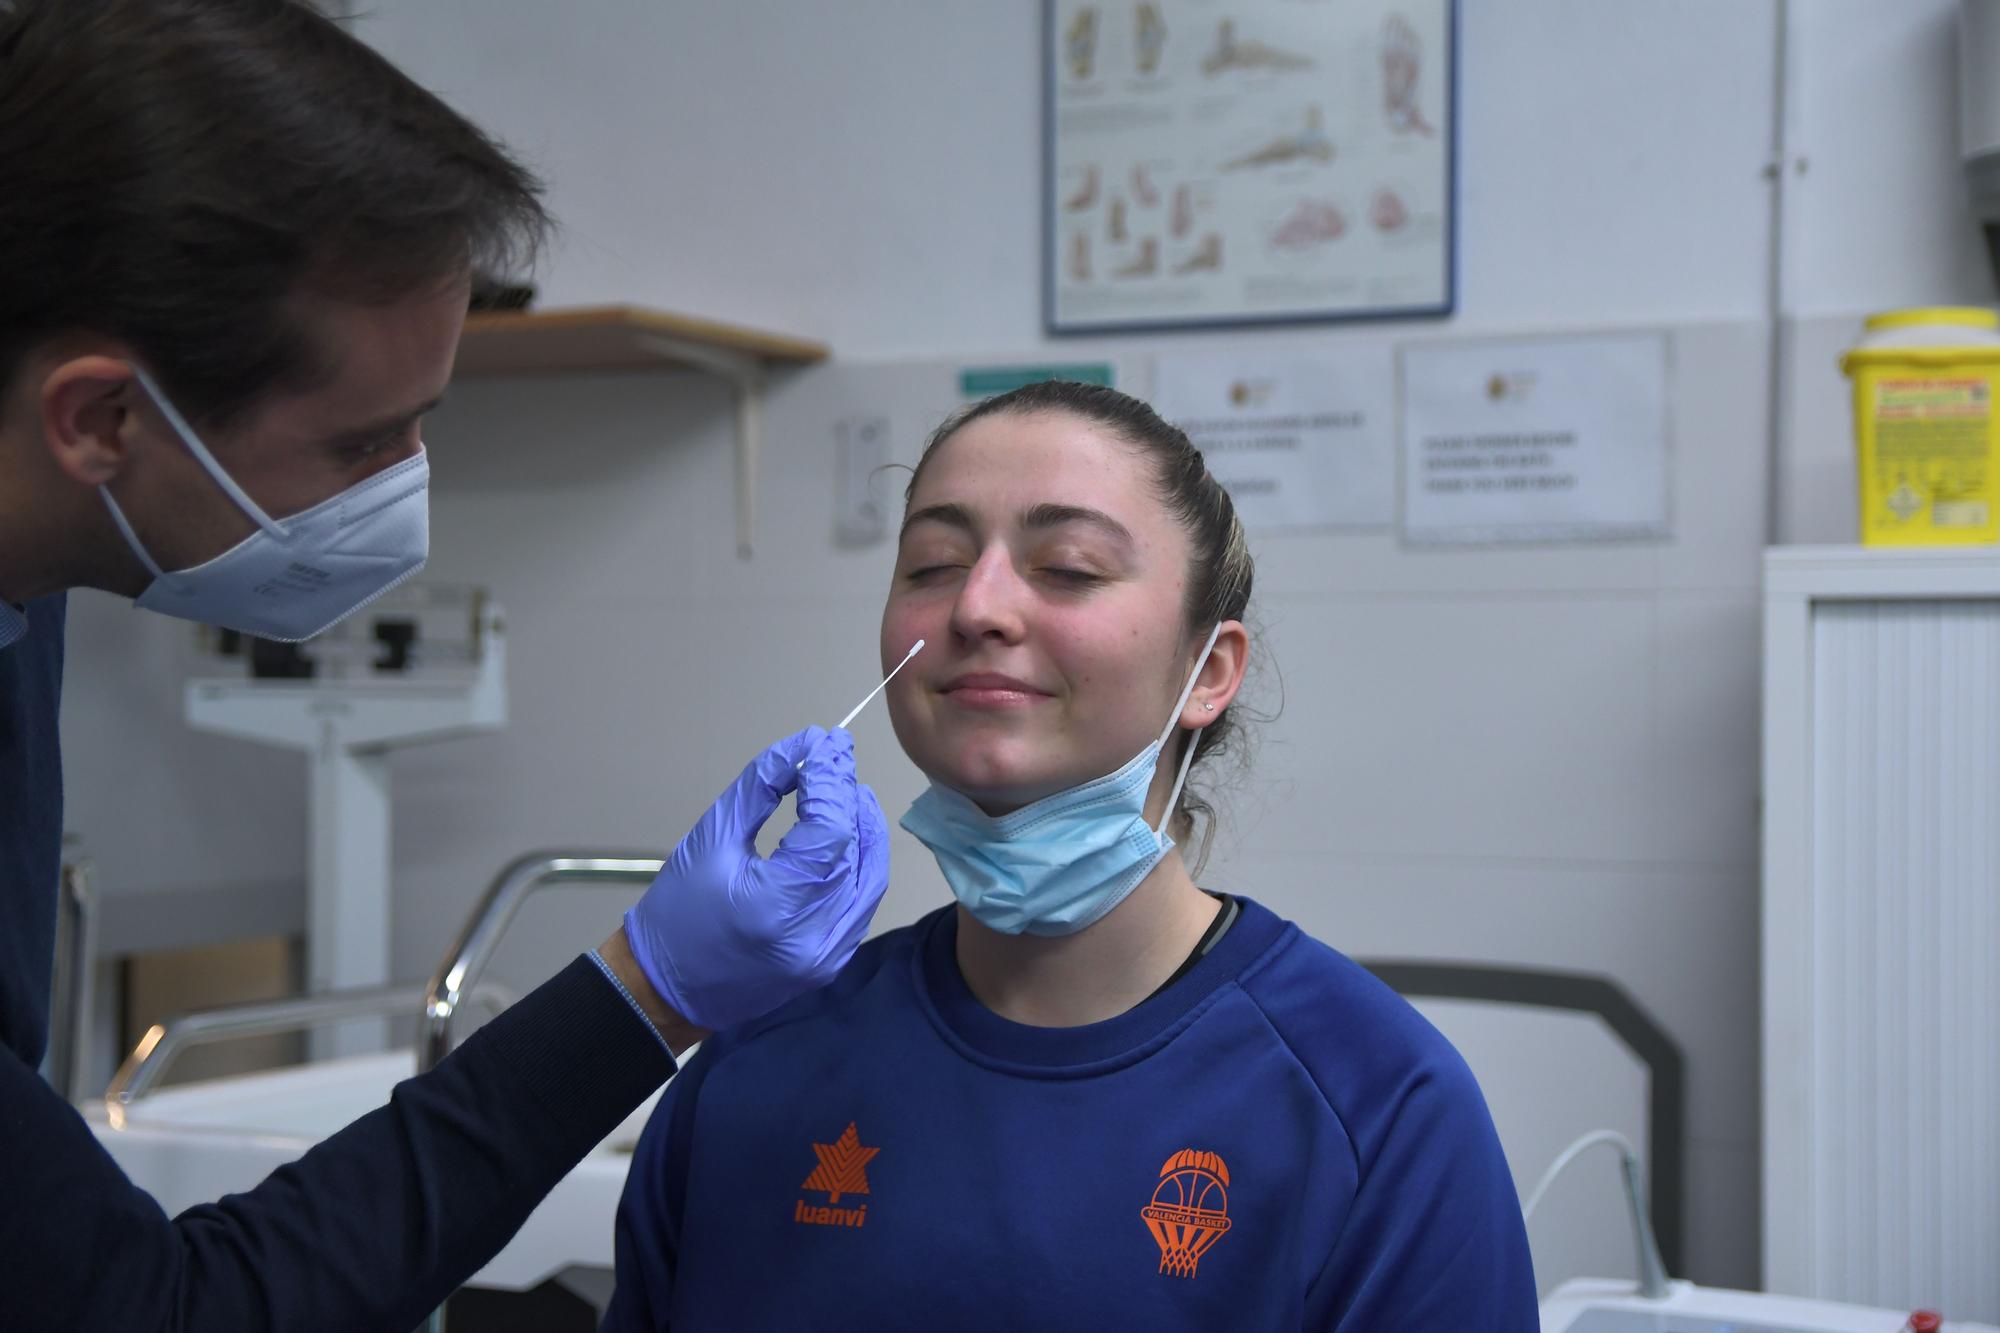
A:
(369, 1230)
(1434, 1238)
(30, 828)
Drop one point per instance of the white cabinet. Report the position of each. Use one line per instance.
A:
(1881, 920)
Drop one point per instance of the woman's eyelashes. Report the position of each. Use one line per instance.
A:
(1066, 575)
(1074, 566)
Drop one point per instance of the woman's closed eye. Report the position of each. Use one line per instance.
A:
(1070, 564)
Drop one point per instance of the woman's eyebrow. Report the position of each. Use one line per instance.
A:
(952, 515)
(1038, 518)
(1055, 515)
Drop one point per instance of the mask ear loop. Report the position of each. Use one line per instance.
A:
(131, 537)
(204, 457)
(209, 465)
(1187, 758)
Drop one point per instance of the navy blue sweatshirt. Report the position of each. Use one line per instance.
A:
(372, 1228)
(1275, 1141)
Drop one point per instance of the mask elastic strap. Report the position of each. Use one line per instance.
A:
(1187, 758)
(1174, 796)
(204, 457)
(131, 537)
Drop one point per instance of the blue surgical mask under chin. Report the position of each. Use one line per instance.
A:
(1062, 863)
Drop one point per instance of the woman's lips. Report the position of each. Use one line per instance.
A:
(989, 690)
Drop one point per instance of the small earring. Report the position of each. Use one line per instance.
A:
(1210, 708)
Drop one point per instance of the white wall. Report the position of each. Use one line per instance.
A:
(1876, 217)
(1879, 214)
(1538, 756)
(868, 172)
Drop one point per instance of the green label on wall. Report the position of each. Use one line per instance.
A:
(985, 381)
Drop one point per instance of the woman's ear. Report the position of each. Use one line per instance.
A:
(1221, 676)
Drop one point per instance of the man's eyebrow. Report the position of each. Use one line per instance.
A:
(388, 426)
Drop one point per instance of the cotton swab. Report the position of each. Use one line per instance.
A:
(872, 693)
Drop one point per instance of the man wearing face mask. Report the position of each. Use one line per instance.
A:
(237, 247)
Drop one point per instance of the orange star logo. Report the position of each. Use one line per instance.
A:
(842, 1166)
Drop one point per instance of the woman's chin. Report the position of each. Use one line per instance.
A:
(1007, 772)
(996, 783)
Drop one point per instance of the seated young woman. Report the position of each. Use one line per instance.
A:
(1089, 1093)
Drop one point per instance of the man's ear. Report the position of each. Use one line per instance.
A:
(85, 401)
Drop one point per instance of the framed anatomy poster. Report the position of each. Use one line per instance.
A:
(1218, 162)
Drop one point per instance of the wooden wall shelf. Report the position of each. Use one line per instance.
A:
(615, 337)
(621, 337)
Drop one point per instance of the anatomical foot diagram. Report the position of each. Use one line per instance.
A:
(1230, 53)
(1152, 38)
(1311, 224)
(1086, 193)
(1388, 212)
(1207, 257)
(1402, 62)
(1142, 187)
(1216, 159)
(1080, 43)
(1309, 145)
(1146, 264)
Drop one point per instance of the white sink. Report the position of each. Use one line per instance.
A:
(196, 1142)
(1593, 1305)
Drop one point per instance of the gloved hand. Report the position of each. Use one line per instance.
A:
(725, 935)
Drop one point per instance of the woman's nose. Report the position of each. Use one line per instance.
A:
(990, 602)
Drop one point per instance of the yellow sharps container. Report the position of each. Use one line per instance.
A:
(1927, 439)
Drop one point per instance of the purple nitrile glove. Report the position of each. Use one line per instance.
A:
(725, 935)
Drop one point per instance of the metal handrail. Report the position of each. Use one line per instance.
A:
(474, 948)
(164, 1042)
(469, 954)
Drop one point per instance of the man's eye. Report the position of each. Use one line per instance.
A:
(367, 449)
(1076, 576)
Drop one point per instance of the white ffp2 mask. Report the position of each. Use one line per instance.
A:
(295, 577)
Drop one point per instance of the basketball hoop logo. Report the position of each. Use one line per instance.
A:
(1190, 1209)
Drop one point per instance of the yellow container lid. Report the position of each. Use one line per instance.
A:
(1922, 358)
(1964, 316)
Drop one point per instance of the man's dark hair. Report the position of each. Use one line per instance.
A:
(177, 173)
